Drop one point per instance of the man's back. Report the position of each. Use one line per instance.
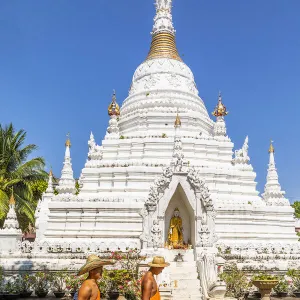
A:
(149, 287)
(89, 291)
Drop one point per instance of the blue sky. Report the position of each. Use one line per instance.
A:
(60, 61)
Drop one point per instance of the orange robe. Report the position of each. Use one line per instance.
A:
(156, 296)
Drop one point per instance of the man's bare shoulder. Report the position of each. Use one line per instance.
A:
(86, 286)
(148, 277)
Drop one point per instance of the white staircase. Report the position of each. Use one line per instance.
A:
(184, 276)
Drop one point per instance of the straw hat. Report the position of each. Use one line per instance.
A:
(93, 262)
(158, 262)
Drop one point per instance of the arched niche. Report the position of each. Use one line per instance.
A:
(179, 200)
(181, 194)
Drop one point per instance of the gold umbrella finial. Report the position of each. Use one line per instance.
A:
(12, 200)
(68, 142)
(220, 109)
(113, 108)
(50, 172)
(271, 149)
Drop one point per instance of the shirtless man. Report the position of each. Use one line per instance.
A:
(149, 285)
(89, 289)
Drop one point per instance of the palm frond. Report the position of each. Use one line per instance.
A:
(17, 173)
(25, 207)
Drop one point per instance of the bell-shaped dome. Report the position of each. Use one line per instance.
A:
(161, 85)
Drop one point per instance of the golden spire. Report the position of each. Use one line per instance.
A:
(220, 110)
(177, 121)
(113, 108)
(51, 173)
(12, 200)
(163, 45)
(68, 142)
(271, 149)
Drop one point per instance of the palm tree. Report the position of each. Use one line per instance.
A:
(18, 175)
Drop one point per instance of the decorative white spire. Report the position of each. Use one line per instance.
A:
(114, 113)
(49, 189)
(220, 112)
(241, 155)
(163, 19)
(92, 145)
(273, 194)
(67, 183)
(178, 156)
(11, 222)
(92, 139)
(95, 155)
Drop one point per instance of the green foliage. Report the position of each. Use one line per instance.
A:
(18, 175)
(295, 275)
(122, 281)
(41, 281)
(58, 280)
(125, 278)
(236, 281)
(26, 282)
(282, 286)
(12, 286)
(296, 206)
(117, 278)
(1, 279)
(77, 187)
(164, 135)
(264, 276)
(38, 188)
(73, 282)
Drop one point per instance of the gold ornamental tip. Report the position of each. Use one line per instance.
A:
(177, 121)
(68, 142)
(114, 108)
(51, 173)
(220, 109)
(12, 200)
(271, 149)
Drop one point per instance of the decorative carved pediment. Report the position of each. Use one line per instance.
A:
(160, 185)
(200, 188)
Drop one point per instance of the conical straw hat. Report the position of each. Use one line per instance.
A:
(93, 262)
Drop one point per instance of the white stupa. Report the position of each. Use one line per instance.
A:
(11, 233)
(132, 178)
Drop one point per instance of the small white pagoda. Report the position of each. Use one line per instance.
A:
(11, 233)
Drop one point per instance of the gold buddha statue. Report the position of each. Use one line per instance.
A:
(175, 236)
